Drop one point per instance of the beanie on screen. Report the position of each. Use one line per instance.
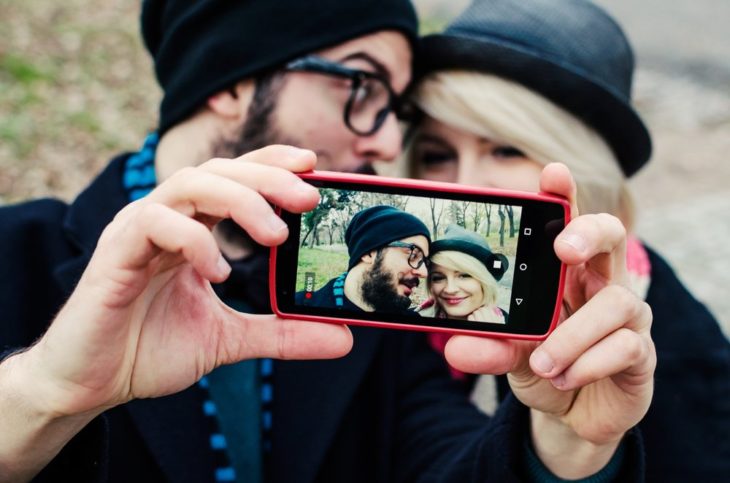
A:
(377, 226)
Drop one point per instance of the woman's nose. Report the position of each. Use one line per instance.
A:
(470, 172)
(451, 287)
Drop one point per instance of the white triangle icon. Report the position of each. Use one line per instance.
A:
(519, 301)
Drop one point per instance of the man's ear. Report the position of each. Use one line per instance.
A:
(369, 257)
(233, 102)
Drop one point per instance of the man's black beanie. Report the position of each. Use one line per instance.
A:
(201, 47)
(377, 226)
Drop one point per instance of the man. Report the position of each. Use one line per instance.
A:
(388, 251)
(108, 392)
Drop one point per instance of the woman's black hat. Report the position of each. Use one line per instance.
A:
(569, 51)
(458, 239)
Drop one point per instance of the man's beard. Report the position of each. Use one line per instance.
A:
(380, 291)
(259, 129)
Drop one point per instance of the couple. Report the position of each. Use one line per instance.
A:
(390, 251)
(110, 323)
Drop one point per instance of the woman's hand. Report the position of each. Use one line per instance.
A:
(591, 380)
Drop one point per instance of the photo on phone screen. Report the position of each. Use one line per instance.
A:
(408, 255)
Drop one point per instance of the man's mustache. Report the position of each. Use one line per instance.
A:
(410, 282)
(365, 168)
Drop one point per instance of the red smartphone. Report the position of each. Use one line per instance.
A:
(421, 255)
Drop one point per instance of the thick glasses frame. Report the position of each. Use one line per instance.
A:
(416, 257)
(319, 65)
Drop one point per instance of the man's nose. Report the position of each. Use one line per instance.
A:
(384, 144)
(421, 272)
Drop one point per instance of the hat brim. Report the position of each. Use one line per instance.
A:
(480, 254)
(565, 85)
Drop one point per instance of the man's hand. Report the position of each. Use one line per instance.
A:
(591, 380)
(144, 321)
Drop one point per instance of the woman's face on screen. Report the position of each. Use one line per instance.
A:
(457, 293)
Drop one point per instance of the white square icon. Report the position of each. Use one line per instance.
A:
(497, 264)
(528, 231)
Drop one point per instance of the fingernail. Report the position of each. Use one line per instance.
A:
(305, 188)
(542, 362)
(276, 224)
(558, 381)
(575, 241)
(223, 267)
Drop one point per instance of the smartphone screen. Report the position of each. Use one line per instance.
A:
(422, 255)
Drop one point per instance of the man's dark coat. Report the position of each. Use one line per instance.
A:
(386, 412)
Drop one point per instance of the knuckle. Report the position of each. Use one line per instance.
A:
(632, 345)
(611, 223)
(283, 337)
(628, 305)
(647, 314)
(184, 174)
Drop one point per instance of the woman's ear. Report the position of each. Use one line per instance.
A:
(232, 103)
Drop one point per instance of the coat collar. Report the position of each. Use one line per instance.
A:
(87, 217)
(311, 397)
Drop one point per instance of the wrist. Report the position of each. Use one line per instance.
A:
(564, 452)
(32, 434)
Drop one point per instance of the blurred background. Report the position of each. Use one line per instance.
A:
(77, 87)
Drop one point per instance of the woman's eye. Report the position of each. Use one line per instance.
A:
(507, 152)
(436, 278)
(464, 275)
(436, 157)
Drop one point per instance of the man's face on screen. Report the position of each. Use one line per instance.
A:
(388, 284)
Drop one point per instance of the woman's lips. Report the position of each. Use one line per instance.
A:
(453, 300)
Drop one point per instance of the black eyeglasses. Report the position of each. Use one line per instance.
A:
(371, 96)
(416, 257)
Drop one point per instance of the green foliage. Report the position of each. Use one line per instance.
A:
(20, 69)
(325, 265)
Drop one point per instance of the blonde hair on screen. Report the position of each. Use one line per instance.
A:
(461, 262)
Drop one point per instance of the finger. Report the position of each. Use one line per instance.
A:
(624, 352)
(479, 355)
(610, 309)
(598, 240)
(127, 247)
(271, 336)
(278, 185)
(556, 179)
(274, 184)
(289, 158)
(204, 195)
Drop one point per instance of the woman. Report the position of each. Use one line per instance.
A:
(462, 279)
(512, 86)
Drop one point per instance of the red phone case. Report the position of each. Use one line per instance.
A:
(373, 180)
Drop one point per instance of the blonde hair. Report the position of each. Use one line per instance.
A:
(461, 262)
(507, 112)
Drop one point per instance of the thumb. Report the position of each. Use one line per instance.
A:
(256, 336)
